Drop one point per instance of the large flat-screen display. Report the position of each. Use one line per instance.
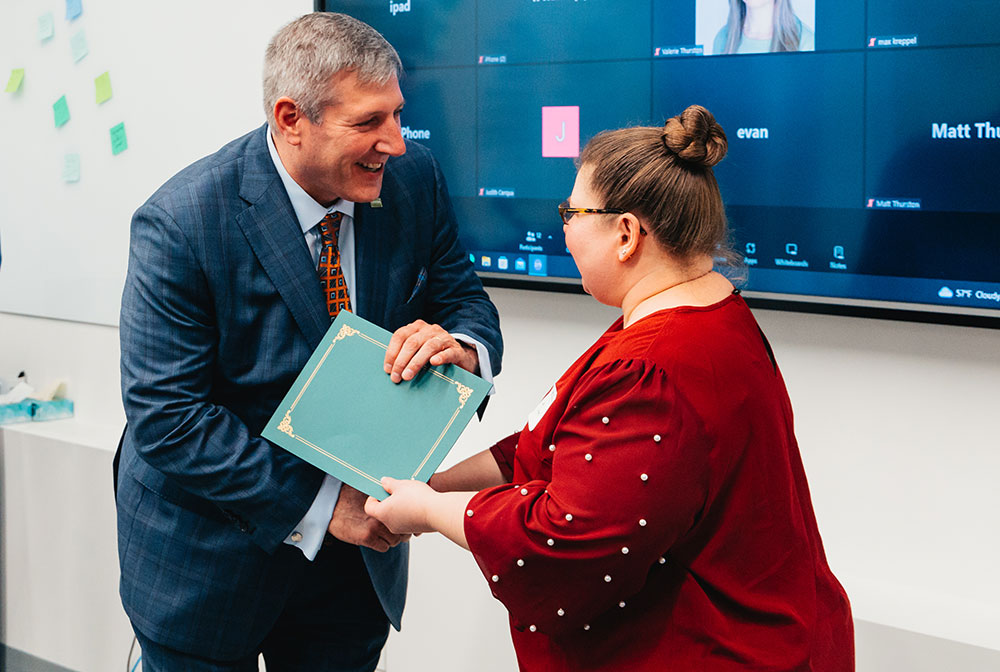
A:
(864, 136)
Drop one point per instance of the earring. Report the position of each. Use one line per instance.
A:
(623, 255)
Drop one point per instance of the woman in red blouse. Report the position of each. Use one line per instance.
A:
(653, 514)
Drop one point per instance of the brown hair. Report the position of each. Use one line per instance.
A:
(664, 175)
(786, 33)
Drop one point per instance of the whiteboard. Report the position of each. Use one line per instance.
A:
(185, 78)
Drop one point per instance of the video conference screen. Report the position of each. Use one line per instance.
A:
(864, 136)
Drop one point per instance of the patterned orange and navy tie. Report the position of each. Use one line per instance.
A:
(331, 276)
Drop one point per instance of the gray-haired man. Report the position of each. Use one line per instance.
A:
(229, 546)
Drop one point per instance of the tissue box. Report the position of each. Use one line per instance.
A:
(22, 411)
(33, 410)
(56, 409)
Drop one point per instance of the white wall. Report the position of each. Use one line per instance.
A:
(897, 424)
(185, 77)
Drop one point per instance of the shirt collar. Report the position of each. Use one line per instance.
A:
(307, 210)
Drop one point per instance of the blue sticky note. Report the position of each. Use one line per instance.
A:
(78, 45)
(71, 168)
(74, 8)
(46, 26)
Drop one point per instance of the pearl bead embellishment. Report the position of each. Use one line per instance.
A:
(622, 604)
(561, 612)
(586, 627)
(532, 628)
(607, 578)
(524, 491)
(624, 550)
(642, 522)
(550, 542)
(552, 447)
(495, 578)
(605, 419)
(469, 513)
(588, 457)
(520, 562)
(569, 517)
(662, 560)
(656, 437)
(644, 477)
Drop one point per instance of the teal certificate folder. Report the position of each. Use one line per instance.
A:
(344, 415)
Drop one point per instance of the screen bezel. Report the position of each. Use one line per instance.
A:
(879, 310)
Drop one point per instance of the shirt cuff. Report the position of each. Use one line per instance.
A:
(308, 535)
(485, 370)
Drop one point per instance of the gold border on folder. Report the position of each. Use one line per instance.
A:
(285, 426)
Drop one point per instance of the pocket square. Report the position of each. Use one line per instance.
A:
(421, 281)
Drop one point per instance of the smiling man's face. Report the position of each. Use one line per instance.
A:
(344, 156)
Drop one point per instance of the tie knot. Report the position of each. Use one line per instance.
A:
(329, 226)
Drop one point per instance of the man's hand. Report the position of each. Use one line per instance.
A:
(350, 523)
(417, 344)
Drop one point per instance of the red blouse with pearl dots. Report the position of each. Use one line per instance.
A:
(658, 515)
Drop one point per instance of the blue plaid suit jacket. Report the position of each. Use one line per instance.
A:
(221, 309)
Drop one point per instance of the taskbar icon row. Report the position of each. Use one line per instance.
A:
(517, 263)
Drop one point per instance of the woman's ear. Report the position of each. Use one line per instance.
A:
(628, 235)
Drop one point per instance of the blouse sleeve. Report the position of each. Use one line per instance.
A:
(629, 475)
(503, 453)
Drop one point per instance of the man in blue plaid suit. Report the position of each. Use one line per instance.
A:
(230, 546)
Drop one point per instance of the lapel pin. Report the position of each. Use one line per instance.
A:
(377, 203)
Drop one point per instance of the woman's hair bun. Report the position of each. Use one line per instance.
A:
(695, 136)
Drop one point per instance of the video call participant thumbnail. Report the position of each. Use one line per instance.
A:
(761, 26)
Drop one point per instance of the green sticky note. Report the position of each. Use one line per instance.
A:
(103, 87)
(119, 142)
(14, 83)
(46, 26)
(60, 111)
(78, 46)
(71, 168)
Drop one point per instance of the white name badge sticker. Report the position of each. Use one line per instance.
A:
(542, 407)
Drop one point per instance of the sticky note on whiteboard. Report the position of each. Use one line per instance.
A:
(102, 87)
(60, 111)
(14, 83)
(119, 141)
(46, 27)
(71, 168)
(74, 8)
(78, 46)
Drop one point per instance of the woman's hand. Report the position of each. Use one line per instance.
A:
(413, 507)
(404, 511)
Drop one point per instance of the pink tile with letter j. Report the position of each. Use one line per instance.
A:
(561, 131)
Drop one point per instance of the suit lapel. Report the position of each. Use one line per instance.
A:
(273, 232)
